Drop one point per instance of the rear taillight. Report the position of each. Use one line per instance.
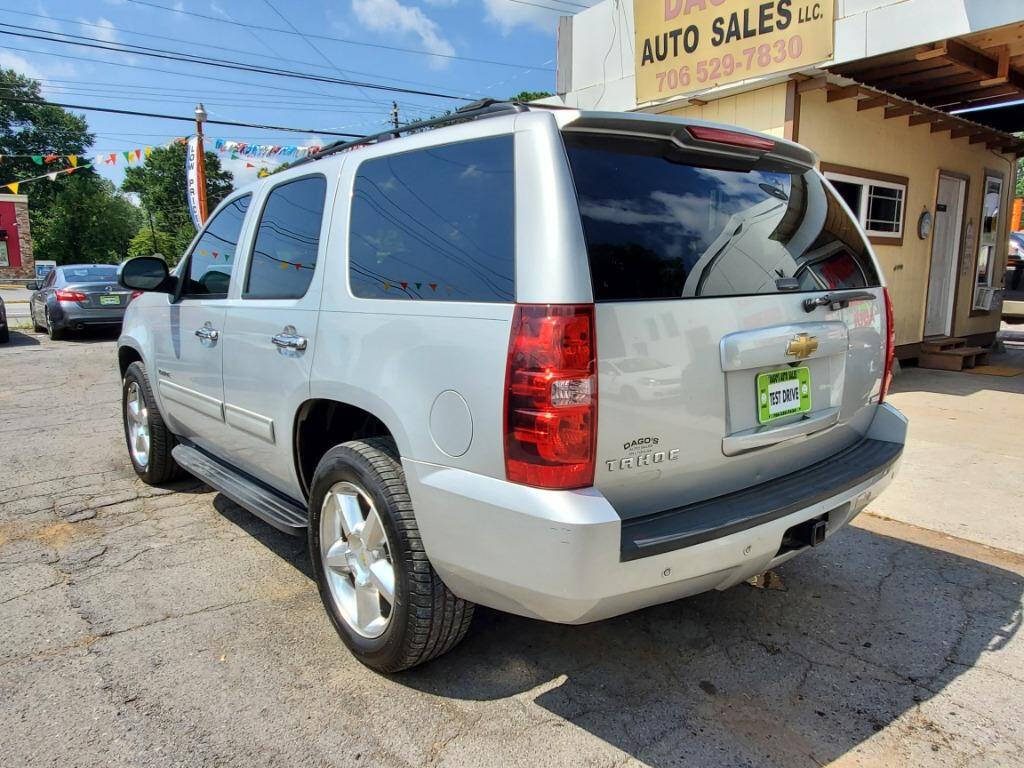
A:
(134, 296)
(69, 295)
(551, 396)
(890, 347)
(732, 138)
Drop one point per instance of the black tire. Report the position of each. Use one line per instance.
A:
(161, 466)
(55, 332)
(5, 335)
(426, 620)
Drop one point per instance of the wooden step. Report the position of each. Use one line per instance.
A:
(953, 358)
(943, 343)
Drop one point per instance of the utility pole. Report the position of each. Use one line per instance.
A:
(201, 161)
(394, 114)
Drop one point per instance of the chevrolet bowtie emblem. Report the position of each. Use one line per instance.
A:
(802, 346)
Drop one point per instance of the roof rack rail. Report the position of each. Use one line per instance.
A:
(472, 111)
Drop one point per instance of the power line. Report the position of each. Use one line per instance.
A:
(220, 47)
(309, 42)
(551, 7)
(178, 117)
(141, 67)
(334, 39)
(159, 53)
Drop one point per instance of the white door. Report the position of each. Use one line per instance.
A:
(949, 209)
(188, 332)
(270, 329)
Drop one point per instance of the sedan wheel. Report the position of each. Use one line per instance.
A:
(357, 559)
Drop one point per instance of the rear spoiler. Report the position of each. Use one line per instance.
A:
(677, 129)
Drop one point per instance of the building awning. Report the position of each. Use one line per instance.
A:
(985, 69)
(896, 106)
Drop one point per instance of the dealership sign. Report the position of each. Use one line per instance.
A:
(684, 46)
(193, 184)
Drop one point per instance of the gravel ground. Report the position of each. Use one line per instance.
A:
(166, 627)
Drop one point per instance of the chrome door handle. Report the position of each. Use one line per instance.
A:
(207, 334)
(287, 340)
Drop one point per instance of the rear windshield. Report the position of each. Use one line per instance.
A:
(97, 273)
(658, 225)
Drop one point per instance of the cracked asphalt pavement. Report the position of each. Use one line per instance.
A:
(168, 627)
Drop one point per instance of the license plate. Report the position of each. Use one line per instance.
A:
(783, 393)
(106, 300)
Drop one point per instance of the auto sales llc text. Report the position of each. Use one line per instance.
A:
(762, 19)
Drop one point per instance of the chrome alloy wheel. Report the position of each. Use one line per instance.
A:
(138, 424)
(357, 559)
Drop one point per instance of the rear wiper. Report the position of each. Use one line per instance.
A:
(839, 300)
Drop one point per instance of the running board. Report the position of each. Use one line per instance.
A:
(285, 515)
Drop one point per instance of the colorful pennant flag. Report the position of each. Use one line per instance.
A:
(13, 186)
(73, 159)
(37, 159)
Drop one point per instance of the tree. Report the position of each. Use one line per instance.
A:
(88, 222)
(148, 242)
(78, 217)
(531, 95)
(160, 184)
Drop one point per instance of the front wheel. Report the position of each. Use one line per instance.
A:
(149, 441)
(384, 598)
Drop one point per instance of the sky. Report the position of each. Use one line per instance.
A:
(510, 46)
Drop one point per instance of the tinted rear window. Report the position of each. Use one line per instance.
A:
(436, 224)
(660, 226)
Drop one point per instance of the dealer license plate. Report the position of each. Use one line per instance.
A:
(107, 300)
(783, 393)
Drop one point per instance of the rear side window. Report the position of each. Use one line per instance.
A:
(209, 268)
(661, 225)
(287, 241)
(436, 224)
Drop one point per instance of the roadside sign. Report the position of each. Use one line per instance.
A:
(43, 268)
(693, 45)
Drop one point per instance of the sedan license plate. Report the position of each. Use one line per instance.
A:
(107, 300)
(783, 393)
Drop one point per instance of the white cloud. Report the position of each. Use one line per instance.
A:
(508, 15)
(20, 65)
(442, 3)
(102, 28)
(51, 68)
(390, 16)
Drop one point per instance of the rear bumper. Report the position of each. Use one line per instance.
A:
(559, 555)
(71, 315)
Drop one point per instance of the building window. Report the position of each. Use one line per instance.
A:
(988, 243)
(878, 202)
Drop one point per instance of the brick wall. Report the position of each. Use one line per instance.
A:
(22, 231)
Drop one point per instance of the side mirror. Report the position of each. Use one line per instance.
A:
(32, 285)
(145, 273)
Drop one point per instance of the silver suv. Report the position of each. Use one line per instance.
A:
(564, 364)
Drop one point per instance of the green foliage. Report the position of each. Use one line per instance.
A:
(89, 221)
(160, 184)
(148, 242)
(530, 95)
(79, 217)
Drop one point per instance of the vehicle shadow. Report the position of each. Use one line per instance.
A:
(90, 335)
(846, 639)
(20, 339)
(289, 548)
